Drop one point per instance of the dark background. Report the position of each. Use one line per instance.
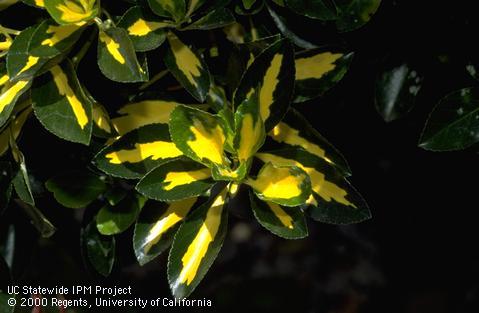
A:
(417, 254)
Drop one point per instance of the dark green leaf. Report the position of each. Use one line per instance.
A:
(100, 249)
(454, 122)
(214, 19)
(146, 31)
(137, 152)
(112, 220)
(396, 91)
(175, 9)
(316, 9)
(156, 226)
(21, 181)
(188, 67)
(271, 76)
(39, 221)
(286, 222)
(353, 14)
(9, 98)
(176, 180)
(75, 189)
(117, 58)
(196, 245)
(61, 105)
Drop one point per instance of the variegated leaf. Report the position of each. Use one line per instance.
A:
(102, 125)
(188, 67)
(196, 245)
(50, 39)
(286, 222)
(294, 130)
(72, 11)
(21, 65)
(36, 3)
(145, 112)
(117, 58)
(138, 152)
(112, 220)
(318, 70)
(333, 199)
(156, 226)
(284, 184)
(271, 75)
(175, 9)
(176, 180)
(147, 32)
(9, 96)
(199, 135)
(61, 105)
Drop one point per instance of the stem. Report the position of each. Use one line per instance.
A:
(153, 80)
(108, 16)
(10, 31)
(79, 56)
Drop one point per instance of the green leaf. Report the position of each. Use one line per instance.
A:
(396, 91)
(100, 249)
(271, 76)
(36, 3)
(112, 220)
(286, 222)
(318, 70)
(117, 58)
(454, 122)
(193, 5)
(199, 135)
(295, 131)
(156, 226)
(21, 181)
(146, 31)
(316, 9)
(39, 221)
(9, 97)
(137, 152)
(102, 125)
(4, 305)
(333, 199)
(50, 39)
(282, 184)
(61, 105)
(214, 19)
(72, 11)
(249, 130)
(196, 245)
(5, 185)
(188, 67)
(13, 129)
(75, 189)
(21, 65)
(175, 9)
(176, 180)
(145, 112)
(353, 14)
(248, 4)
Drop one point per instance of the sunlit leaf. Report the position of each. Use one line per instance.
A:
(72, 11)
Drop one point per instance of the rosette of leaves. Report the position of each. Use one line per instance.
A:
(172, 168)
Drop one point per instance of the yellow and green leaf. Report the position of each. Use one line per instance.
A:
(61, 105)
(176, 180)
(284, 184)
(318, 70)
(156, 226)
(295, 131)
(146, 31)
(5, 43)
(102, 125)
(9, 96)
(112, 220)
(174, 9)
(21, 65)
(72, 11)
(50, 39)
(137, 152)
(13, 129)
(197, 244)
(271, 76)
(199, 135)
(117, 57)
(144, 112)
(286, 222)
(35, 3)
(188, 67)
(333, 199)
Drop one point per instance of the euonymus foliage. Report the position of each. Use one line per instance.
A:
(175, 156)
